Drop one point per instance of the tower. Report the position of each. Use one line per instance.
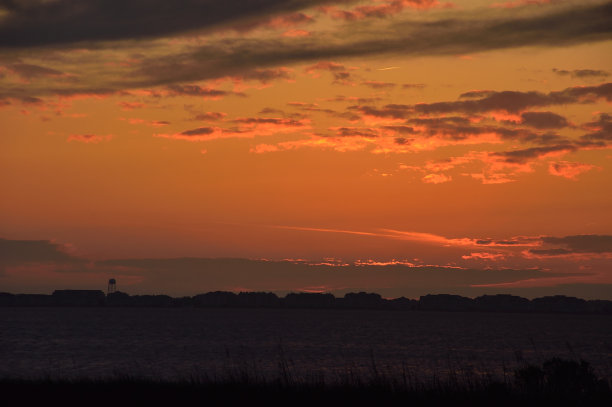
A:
(112, 286)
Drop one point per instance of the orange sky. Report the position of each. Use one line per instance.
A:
(464, 135)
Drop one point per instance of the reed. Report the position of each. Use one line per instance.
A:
(563, 382)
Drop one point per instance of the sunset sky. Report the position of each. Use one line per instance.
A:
(403, 147)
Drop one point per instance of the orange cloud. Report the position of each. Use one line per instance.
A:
(484, 256)
(386, 9)
(569, 170)
(436, 178)
(297, 33)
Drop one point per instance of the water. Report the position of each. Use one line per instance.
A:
(178, 343)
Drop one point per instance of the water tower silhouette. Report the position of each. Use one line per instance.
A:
(112, 286)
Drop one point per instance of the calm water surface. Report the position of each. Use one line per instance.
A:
(178, 343)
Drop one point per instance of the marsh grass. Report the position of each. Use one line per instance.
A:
(562, 382)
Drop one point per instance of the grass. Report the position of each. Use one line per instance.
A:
(561, 382)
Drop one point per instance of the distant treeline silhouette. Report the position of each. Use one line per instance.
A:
(362, 300)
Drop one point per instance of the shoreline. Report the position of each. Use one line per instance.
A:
(500, 303)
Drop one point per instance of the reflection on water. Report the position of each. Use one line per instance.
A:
(178, 343)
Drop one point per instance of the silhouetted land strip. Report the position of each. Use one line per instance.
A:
(556, 382)
(362, 300)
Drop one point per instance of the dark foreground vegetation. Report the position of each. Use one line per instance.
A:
(219, 299)
(556, 382)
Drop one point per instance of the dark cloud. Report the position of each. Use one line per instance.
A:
(313, 107)
(273, 121)
(271, 110)
(582, 243)
(527, 154)
(265, 75)
(514, 101)
(189, 276)
(39, 22)
(35, 23)
(600, 130)
(464, 34)
(29, 71)
(441, 121)
(326, 66)
(401, 129)
(576, 244)
(33, 251)
(393, 111)
(544, 120)
(210, 116)
(379, 85)
(460, 128)
(413, 86)
(196, 90)
(582, 73)
(477, 94)
(354, 99)
(550, 252)
(489, 101)
(356, 132)
(195, 275)
(284, 21)
(198, 132)
(516, 241)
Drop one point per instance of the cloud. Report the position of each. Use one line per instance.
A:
(583, 243)
(527, 154)
(45, 264)
(130, 105)
(413, 86)
(210, 116)
(569, 170)
(544, 120)
(484, 256)
(436, 178)
(29, 71)
(479, 102)
(89, 138)
(296, 33)
(275, 22)
(341, 73)
(199, 131)
(383, 10)
(582, 73)
(248, 127)
(355, 132)
(378, 84)
(14, 252)
(575, 244)
(35, 22)
(515, 102)
(265, 76)
(522, 3)
(600, 130)
(466, 33)
(196, 90)
(218, 57)
(196, 275)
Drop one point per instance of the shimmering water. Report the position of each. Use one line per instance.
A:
(178, 343)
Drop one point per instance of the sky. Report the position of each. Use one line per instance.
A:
(403, 147)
